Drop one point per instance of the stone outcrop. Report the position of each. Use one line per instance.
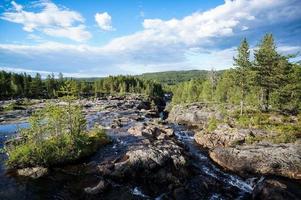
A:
(159, 161)
(226, 136)
(194, 114)
(267, 159)
(150, 130)
(34, 172)
(269, 189)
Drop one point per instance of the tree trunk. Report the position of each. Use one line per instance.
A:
(241, 107)
(265, 98)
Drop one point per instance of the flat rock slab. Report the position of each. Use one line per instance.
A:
(267, 159)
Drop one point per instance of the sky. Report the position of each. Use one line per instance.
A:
(98, 38)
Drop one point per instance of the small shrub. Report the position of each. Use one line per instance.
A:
(284, 138)
(243, 121)
(212, 124)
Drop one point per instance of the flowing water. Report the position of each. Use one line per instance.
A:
(69, 182)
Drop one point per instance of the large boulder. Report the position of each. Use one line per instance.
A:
(193, 114)
(268, 159)
(226, 136)
(161, 161)
(151, 130)
(269, 189)
(33, 172)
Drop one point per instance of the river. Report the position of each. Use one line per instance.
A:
(69, 182)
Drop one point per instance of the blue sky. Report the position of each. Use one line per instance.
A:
(109, 37)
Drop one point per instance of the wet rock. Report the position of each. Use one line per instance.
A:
(144, 105)
(269, 189)
(150, 130)
(180, 194)
(273, 159)
(161, 161)
(99, 188)
(137, 130)
(151, 114)
(34, 172)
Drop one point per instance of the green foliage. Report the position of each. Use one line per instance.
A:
(57, 135)
(212, 124)
(270, 83)
(127, 84)
(243, 71)
(174, 77)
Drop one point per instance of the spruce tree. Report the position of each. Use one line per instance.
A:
(266, 62)
(242, 70)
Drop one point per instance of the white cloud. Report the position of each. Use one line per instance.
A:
(51, 20)
(76, 33)
(104, 21)
(202, 27)
(176, 44)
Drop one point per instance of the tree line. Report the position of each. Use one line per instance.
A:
(14, 85)
(269, 81)
(127, 84)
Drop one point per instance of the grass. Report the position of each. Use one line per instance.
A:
(212, 124)
(280, 128)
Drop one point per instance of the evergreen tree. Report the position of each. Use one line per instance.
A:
(37, 86)
(266, 63)
(242, 70)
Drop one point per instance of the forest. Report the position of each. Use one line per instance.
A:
(13, 85)
(269, 81)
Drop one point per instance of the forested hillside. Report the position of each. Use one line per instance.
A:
(174, 77)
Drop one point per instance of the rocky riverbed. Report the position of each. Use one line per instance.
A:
(147, 159)
(228, 146)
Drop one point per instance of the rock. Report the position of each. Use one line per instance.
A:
(137, 130)
(180, 194)
(154, 131)
(151, 114)
(100, 187)
(226, 136)
(268, 159)
(144, 105)
(34, 172)
(161, 161)
(193, 114)
(269, 189)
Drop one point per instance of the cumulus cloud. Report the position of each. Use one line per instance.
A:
(193, 42)
(202, 27)
(51, 20)
(104, 21)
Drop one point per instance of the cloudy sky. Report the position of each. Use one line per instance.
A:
(108, 37)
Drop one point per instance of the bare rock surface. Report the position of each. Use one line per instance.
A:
(193, 114)
(226, 136)
(269, 189)
(34, 172)
(267, 159)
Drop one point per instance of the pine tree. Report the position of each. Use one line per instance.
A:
(266, 62)
(242, 70)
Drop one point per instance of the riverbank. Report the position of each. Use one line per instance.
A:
(246, 147)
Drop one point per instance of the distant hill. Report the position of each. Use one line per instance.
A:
(173, 77)
(166, 77)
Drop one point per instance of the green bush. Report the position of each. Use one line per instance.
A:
(212, 124)
(57, 135)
